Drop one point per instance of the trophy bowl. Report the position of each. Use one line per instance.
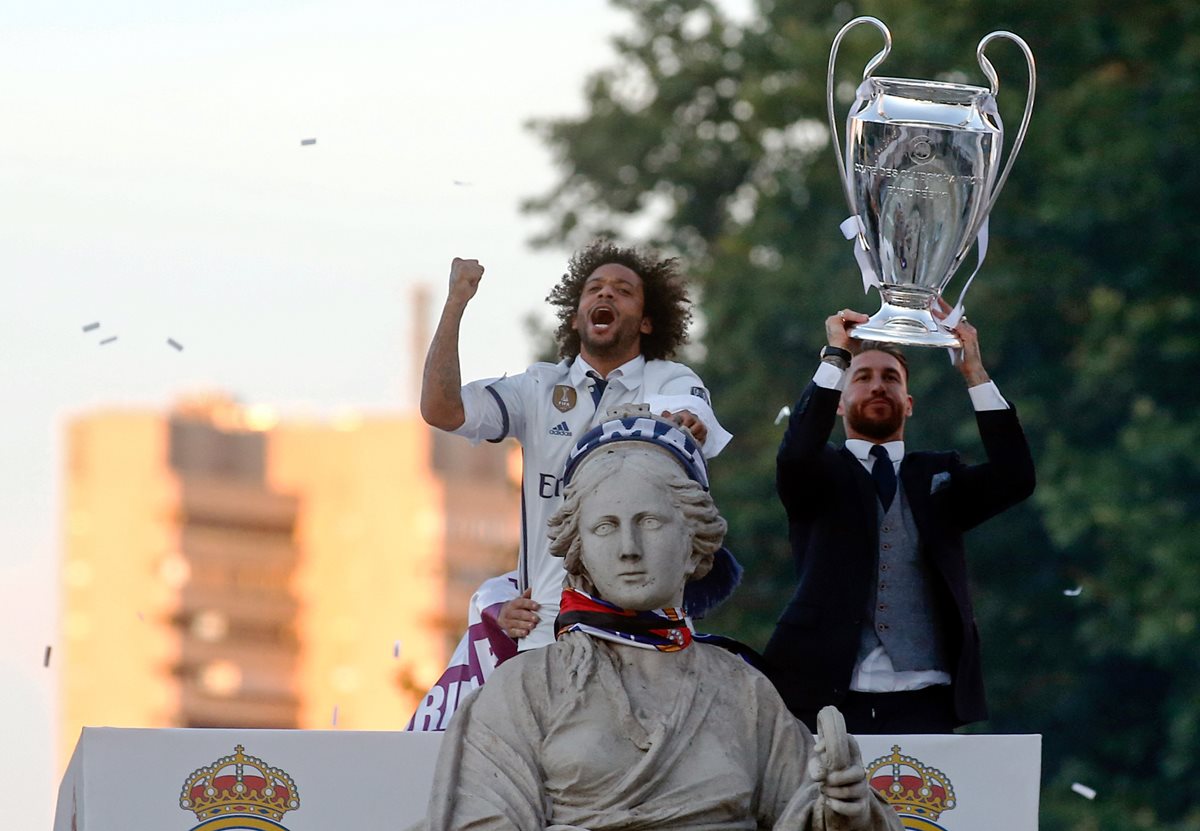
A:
(921, 172)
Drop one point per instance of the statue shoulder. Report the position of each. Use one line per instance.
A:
(514, 690)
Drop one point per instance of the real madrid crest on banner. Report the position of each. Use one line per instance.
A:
(564, 398)
(917, 792)
(239, 792)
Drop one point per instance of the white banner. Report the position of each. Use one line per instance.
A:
(957, 783)
(318, 780)
(137, 780)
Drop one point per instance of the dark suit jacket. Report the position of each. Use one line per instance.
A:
(834, 529)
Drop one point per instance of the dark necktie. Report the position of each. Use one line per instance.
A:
(597, 387)
(884, 475)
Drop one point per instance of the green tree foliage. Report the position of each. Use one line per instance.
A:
(708, 138)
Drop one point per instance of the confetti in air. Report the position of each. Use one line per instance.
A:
(396, 650)
(307, 142)
(1075, 592)
(108, 340)
(141, 617)
(91, 327)
(46, 659)
(460, 183)
(176, 345)
(335, 715)
(1084, 791)
(784, 412)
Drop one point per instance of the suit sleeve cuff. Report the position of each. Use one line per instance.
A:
(830, 377)
(986, 396)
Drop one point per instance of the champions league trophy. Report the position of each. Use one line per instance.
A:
(920, 174)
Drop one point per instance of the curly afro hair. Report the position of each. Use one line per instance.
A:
(665, 291)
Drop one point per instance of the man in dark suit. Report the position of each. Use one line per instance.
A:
(881, 623)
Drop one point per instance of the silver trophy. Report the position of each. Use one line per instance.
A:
(920, 175)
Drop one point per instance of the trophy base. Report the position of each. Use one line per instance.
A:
(905, 327)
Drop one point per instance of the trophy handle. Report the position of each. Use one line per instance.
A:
(990, 72)
(874, 62)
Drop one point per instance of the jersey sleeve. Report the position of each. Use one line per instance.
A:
(685, 391)
(494, 409)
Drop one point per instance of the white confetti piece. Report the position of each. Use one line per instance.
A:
(176, 345)
(784, 412)
(307, 142)
(1083, 790)
(335, 709)
(46, 659)
(1075, 592)
(91, 327)
(460, 183)
(396, 650)
(108, 340)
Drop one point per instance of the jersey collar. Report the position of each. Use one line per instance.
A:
(627, 375)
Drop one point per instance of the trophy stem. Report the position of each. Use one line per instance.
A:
(906, 319)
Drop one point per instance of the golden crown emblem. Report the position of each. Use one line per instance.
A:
(910, 787)
(239, 786)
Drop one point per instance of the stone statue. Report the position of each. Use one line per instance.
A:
(625, 722)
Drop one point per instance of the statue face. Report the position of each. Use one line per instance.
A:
(634, 542)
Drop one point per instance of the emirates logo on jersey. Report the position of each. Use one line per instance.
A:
(564, 398)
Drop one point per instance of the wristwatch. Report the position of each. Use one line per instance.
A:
(837, 356)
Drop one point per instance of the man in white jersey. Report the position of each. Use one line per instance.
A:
(621, 314)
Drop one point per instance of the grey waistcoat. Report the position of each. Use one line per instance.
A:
(901, 612)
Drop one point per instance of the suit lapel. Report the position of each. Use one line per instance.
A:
(915, 480)
(868, 500)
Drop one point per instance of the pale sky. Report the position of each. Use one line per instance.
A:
(152, 179)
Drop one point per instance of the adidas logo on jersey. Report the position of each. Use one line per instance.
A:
(561, 430)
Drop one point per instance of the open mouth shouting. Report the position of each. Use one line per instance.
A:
(602, 318)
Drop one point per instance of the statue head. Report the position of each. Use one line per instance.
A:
(637, 524)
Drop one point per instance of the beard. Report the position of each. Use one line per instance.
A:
(618, 341)
(875, 427)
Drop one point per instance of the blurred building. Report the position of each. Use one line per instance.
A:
(225, 569)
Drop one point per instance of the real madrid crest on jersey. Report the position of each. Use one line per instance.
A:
(564, 398)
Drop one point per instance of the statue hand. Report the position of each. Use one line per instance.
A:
(847, 795)
(836, 764)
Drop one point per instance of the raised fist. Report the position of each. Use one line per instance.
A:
(464, 278)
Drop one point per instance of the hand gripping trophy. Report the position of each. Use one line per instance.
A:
(921, 173)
